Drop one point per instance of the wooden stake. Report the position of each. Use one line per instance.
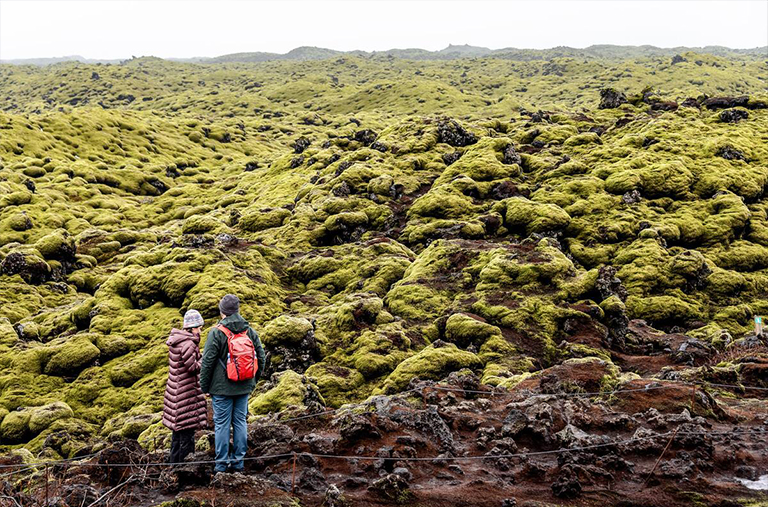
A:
(46, 485)
(693, 399)
(661, 456)
(293, 476)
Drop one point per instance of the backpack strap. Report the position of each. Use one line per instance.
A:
(229, 334)
(224, 329)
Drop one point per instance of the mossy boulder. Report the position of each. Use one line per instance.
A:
(663, 309)
(259, 220)
(56, 245)
(135, 425)
(433, 363)
(15, 427)
(534, 217)
(336, 384)
(72, 357)
(285, 330)
(42, 417)
(463, 330)
(8, 336)
(155, 437)
(545, 264)
(283, 390)
(376, 353)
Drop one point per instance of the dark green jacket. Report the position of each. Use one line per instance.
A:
(213, 375)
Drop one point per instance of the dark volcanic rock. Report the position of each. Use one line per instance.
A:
(33, 272)
(664, 106)
(511, 156)
(450, 132)
(300, 144)
(392, 487)
(429, 422)
(631, 197)
(297, 161)
(678, 59)
(357, 426)
(366, 136)
(450, 158)
(733, 115)
(608, 284)
(79, 494)
(297, 356)
(342, 189)
(690, 102)
(376, 145)
(725, 102)
(265, 432)
(311, 479)
(730, 153)
(567, 485)
(610, 98)
(693, 352)
(505, 189)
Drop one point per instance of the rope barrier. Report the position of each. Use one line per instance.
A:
(710, 384)
(542, 395)
(748, 432)
(26, 467)
(548, 395)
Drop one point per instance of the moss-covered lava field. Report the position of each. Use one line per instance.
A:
(382, 220)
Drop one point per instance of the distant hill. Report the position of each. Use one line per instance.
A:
(452, 52)
(54, 60)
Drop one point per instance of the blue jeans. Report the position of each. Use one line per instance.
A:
(230, 411)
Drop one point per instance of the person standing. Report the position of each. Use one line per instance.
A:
(233, 360)
(184, 409)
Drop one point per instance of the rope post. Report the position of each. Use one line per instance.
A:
(46, 484)
(693, 399)
(674, 434)
(293, 477)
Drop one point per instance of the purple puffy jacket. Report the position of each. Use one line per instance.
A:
(184, 402)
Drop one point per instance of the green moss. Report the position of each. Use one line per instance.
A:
(71, 357)
(374, 354)
(662, 309)
(290, 389)
(15, 426)
(201, 224)
(259, 220)
(56, 244)
(155, 437)
(285, 330)
(464, 330)
(430, 363)
(42, 417)
(530, 216)
(416, 302)
(547, 264)
(673, 179)
(337, 384)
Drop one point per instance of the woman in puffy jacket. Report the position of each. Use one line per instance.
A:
(184, 408)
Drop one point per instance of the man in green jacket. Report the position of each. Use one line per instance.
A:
(230, 398)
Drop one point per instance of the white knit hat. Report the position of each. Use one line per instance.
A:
(193, 319)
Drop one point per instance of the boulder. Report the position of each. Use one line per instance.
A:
(611, 98)
(42, 417)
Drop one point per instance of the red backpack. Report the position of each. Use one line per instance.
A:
(241, 357)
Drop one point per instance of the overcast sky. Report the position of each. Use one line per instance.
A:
(120, 29)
